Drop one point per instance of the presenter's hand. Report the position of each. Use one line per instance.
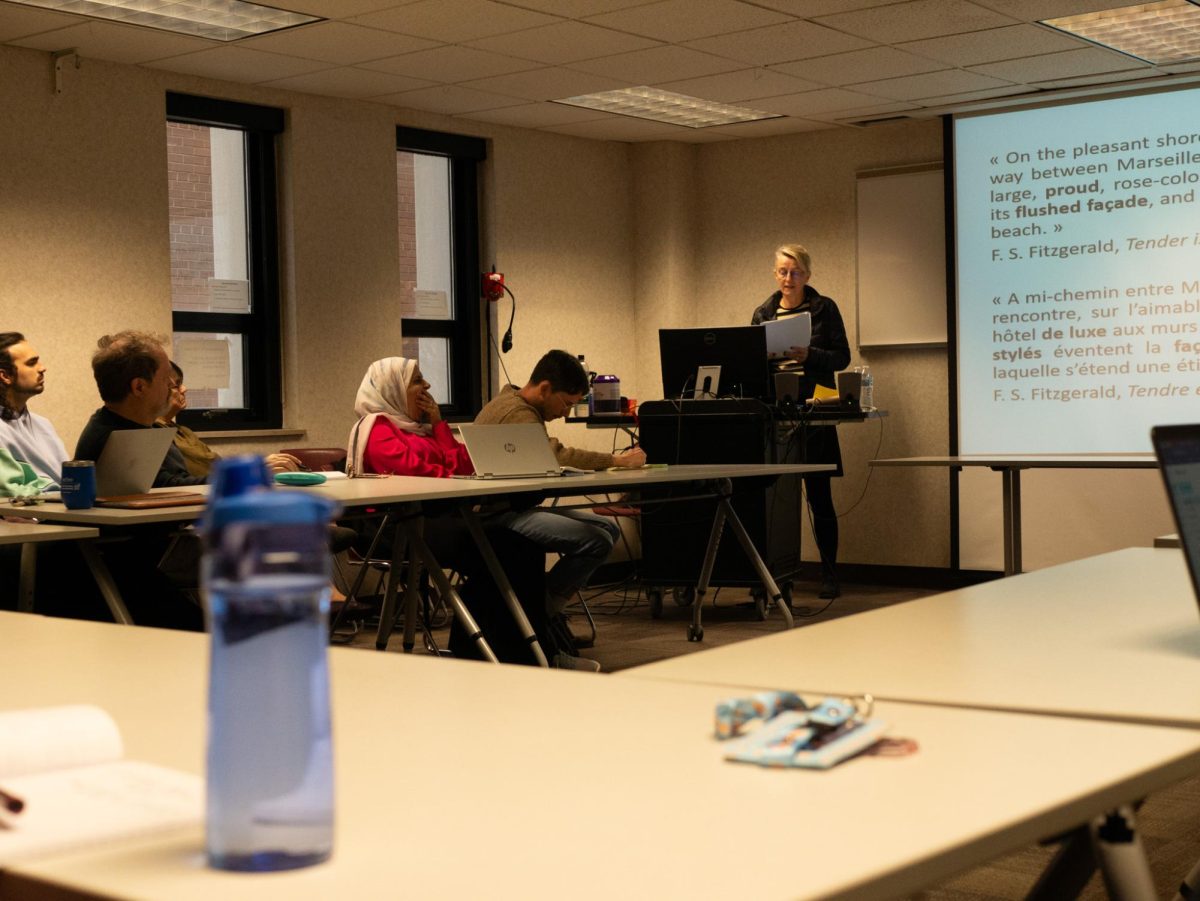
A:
(799, 354)
(630, 459)
(282, 463)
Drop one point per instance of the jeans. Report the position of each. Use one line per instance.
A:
(583, 539)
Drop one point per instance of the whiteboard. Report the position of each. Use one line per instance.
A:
(901, 256)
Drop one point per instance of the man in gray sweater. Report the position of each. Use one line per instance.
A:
(583, 539)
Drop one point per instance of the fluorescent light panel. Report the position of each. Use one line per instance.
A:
(219, 20)
(1159, 33)
(667, 106)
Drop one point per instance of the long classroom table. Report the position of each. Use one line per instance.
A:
(1114, 637)
(459, 780)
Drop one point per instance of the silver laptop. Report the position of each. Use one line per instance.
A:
(130, 460)
(515, 451)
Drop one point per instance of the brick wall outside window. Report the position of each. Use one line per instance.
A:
(406, 206)
(189, 181)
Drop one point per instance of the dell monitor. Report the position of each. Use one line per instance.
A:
(689, 358)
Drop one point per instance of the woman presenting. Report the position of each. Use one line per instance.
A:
(827, 353)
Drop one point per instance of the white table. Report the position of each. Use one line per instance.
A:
(1113, 637)
(29, 535)
(1010, 466)
(453, 781)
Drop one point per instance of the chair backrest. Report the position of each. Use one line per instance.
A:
(319, 459)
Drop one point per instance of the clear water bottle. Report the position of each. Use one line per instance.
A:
(868, 389)
(270, 749)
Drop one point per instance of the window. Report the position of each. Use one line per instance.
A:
(224, 260)
(440, 304)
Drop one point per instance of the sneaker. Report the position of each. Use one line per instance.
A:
(829, 590)
(582, 664)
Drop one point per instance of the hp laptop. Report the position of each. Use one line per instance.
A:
(1178, 451)
(516, 451)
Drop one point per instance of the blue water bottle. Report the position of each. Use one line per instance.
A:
(270, 749)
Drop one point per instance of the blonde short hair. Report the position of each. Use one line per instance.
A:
(797, 253)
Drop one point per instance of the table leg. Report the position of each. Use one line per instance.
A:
(28, 578)
(695, 630)
(387, 613)
(764, 574)
(1011, 502)
(104, 581)
(352, 594)
(1121, 857)
(416, 541)
(502, 583)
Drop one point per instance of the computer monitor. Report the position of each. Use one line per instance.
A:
(740, 351)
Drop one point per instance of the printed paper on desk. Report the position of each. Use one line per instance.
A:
(788, 332)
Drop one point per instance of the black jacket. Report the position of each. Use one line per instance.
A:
(828, 350)
(104, 422)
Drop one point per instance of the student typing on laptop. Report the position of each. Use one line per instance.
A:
(584, 540)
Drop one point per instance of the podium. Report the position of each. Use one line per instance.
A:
(675, 535)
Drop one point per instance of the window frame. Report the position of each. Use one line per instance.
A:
(464, 331)
(262, 357)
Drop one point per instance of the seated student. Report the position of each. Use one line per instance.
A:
(134, 377)
(400, 431)
(197, 456)
(584, 539)
(28, 437)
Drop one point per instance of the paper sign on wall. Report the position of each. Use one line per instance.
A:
(431, 304)
(204, 361)
(229, 295)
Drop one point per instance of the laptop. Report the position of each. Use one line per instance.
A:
(130, 460)
(1178, 450)
(514, 451)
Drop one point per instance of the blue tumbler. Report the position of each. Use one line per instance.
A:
(270, 749)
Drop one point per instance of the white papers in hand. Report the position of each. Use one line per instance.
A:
(788, 332)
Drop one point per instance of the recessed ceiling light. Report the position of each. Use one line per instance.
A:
(1159, 33)
(667, 106)
(219, 20)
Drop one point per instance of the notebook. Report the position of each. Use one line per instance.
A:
(130, 460)
(516, 451)
(1178, 450)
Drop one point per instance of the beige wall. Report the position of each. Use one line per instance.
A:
(603, 243)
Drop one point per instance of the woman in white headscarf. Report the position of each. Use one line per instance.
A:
(400, 429)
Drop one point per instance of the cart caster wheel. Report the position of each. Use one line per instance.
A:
(654, 596)
(695, 633)
(683, 596)
(760, 606)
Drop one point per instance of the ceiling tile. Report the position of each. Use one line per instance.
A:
(547, 84)
(807, 9)
(932, 84)
(967, 97)
(450, 99)
(874, 111)
(656, 65)
(621, 128)
(114, 42)
(337, 9)
(337, 42)
(744, 84)
(453, 21)
(767, 127)
(21, 21)
(563, 42)
(683, 20)
(779, 43)
(347, 81)
(577, 9)
(451, 64)
(1071, 63)
(239, 64)
(1035, 10)
(1149, 75)
(536, 115)
(861, 65)
(915, 20)
(993, 45)
(812, 103)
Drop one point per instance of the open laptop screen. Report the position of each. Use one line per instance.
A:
(1178, 450)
